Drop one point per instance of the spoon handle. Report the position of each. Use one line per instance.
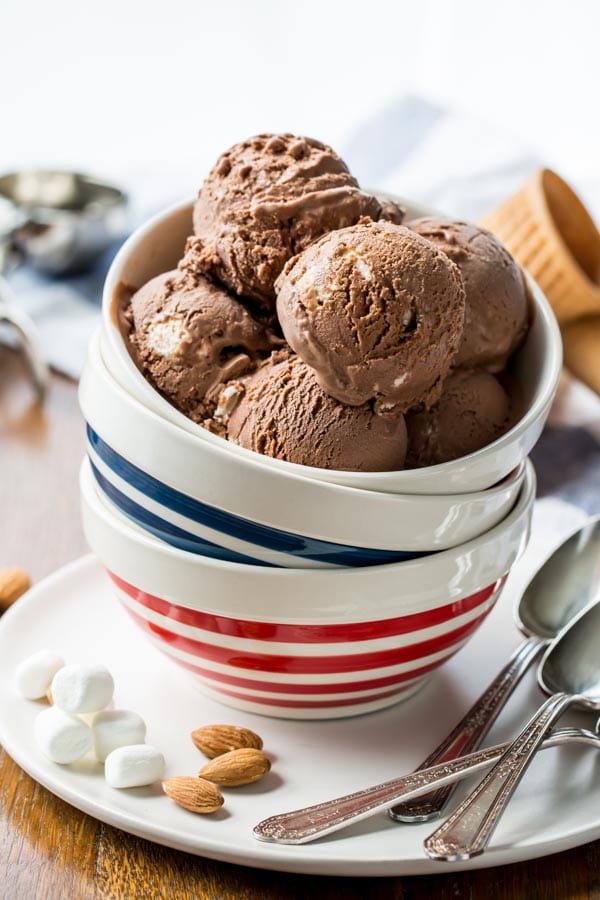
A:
(311, 822)
(469, 732)
(467, 831)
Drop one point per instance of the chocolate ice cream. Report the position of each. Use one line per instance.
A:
(380, 320)
(265, 200)
(473, 411)
(190, 340)
(496, 306)
(377, 311)
(284, 413)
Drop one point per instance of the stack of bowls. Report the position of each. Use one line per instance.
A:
(283, 589)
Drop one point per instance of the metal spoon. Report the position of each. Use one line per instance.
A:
(303, 825)
(59, 222)
(570, 673)
(562, 587)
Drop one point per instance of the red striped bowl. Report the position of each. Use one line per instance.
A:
(305, 643)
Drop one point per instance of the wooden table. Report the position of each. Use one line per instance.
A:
(50, 850)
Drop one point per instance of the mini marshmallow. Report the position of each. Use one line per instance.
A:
(114, 728)
(134, 766)
(82, 688)
(61, 737)
(34, 675)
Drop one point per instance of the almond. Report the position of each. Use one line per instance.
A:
(13, 583)
(237, 767)
(214, 740)
(194, 794)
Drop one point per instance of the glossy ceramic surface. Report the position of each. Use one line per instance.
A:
(305, 643)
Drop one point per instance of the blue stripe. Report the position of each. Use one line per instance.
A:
(166, 531)
(236, 526)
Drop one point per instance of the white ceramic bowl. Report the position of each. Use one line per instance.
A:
(305, 643)
(157, 246)
(197, 497)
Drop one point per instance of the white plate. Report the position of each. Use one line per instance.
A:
(556, 807)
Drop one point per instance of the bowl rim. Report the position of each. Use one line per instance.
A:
(551, 372)
(330, 487)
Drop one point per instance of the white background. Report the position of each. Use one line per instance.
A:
(155, 90)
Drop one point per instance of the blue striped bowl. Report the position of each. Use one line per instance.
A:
(200, 498)
(197, 527)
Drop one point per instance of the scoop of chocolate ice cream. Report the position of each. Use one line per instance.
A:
(473, 411)
(190, 340)
(496, 304)
(284, 413)
(377, 311)
(265, 200)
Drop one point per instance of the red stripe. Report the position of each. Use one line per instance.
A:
(304, 634)
(302, 665)
(285, 688)
(312, 704)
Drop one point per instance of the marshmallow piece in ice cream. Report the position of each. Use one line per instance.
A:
(190, 337)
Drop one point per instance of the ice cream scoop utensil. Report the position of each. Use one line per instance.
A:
(59, 222)
(570, 673)
(27, 336)
(560, 589)
(304, 825)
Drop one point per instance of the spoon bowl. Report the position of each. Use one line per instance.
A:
(567, 582)
(570, 673)
(562, 587)
(571, 665)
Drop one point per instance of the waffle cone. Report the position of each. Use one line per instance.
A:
(549, 231)
(581, 343)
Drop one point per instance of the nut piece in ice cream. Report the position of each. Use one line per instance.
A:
(496, 303)
(265, 200)
(473, 411)
(190, 338)
(285, 414)
(377, 312)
